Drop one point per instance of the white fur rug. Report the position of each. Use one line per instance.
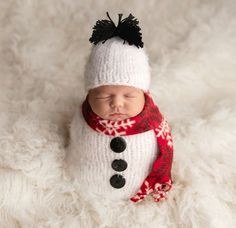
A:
(43, 49)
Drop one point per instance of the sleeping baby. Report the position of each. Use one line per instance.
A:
(120, 144)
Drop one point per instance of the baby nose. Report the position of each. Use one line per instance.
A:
(117, 103)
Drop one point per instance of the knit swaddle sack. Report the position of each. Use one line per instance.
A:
(94, 158)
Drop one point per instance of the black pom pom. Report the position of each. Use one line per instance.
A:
(127, 29)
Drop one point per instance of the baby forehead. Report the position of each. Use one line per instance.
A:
(114, 89)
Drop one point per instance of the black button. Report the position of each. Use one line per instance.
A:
(119, 165)
(118, 144)
(117, 181)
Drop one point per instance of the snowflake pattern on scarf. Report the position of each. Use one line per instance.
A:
(163, 130)
(115, 127)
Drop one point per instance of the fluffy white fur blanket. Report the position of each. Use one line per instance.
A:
(43, 49)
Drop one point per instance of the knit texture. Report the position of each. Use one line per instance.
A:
(155, 169)
(89, 160)
(117, 63)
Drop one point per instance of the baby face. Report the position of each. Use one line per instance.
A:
(116, 102)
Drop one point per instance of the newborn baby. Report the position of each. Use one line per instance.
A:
(120, 144)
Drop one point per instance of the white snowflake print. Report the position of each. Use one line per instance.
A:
(141, 195)
(115, 127)
(148, 188)
(138, 198)
(163, 131)
(161, 191)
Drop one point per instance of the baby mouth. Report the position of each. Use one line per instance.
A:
(117, 114)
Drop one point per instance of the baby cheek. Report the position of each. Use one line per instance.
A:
(103, 107)
(130, 108)
(135, 108)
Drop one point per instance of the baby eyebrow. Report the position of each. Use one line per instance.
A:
(113, 94)
(131, 94)
(100, 96)
(103, 94)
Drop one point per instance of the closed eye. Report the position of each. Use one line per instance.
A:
(102, 97)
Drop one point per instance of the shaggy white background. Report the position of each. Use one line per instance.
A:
(43, 49)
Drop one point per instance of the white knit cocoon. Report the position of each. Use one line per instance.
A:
(116, 63)
(90, 157)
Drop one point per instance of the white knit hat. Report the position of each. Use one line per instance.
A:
(114, 62)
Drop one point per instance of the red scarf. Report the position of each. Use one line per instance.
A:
(158, 182)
